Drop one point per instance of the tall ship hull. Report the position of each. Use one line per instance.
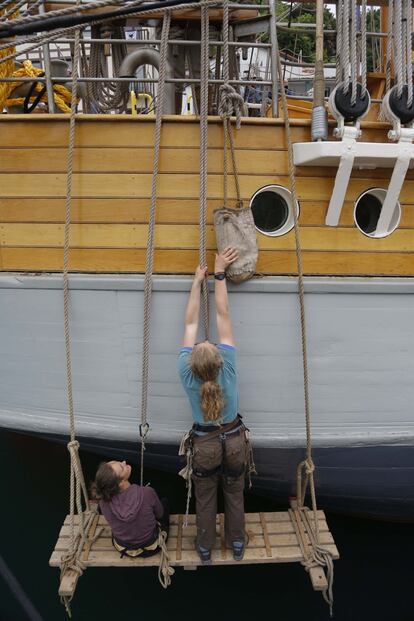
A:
(358, 291)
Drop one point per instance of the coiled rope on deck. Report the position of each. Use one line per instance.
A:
(307, 466)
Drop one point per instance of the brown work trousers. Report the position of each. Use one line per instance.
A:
(207, 457)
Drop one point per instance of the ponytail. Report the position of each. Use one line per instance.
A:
(212, 401)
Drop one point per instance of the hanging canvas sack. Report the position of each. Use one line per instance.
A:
(235, 227)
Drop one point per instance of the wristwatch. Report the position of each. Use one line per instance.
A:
(220, 275)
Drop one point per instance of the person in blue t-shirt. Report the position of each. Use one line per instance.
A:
(219, 439)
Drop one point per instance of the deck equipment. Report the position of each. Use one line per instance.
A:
(349, 102)
(298, 535)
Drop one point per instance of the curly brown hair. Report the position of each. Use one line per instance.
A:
(106, 483)
(205, 363)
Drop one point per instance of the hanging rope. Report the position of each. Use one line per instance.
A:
(364, 46)
(398, 47)
(307, 466)
(204, 75)
(230, 103)
(408, 45)
(351, 49)
(339, 77)
(149, 262)
(71, 560)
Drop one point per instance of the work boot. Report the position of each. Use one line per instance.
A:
(238, 550)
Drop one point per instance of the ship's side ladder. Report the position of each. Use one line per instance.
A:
(297, 535)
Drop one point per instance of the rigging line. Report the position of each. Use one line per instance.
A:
(204, 76)
(96, 4)
(42, 39)
(77, 20)
(354, 58)
(149, 262)
(398, 53)
(345, 46)
(364, 47)
(339, 77)
(409, 27)
(389, 45)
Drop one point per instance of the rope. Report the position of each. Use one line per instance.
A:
(389, 45)
(364, 47)
(307, 464)
(409, 64)
(230, 103)
(71, 560)
(398, 53)
(61, 95)
(204, 75)
(315, 554)
(345, 45)
(339, 77)
(353, 48)
(43, 39)
(165, 571)
(79, 9)
(149, 263)
(6, 67)
(107, 96)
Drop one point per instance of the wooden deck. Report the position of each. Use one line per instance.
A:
(272, 539)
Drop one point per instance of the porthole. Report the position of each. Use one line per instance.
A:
(368, 210)
(272, 210)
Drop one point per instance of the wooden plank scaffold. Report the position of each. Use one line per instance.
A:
(274, 537)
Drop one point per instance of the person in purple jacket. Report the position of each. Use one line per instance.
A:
(135, 513)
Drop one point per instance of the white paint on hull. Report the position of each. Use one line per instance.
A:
(361, 362)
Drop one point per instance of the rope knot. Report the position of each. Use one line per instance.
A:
(231, 103)
(73, 445)
(309, 466)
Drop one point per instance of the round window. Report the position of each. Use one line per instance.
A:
(272, 210)
(368, 210)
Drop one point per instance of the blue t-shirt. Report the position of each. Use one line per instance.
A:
(227, 380)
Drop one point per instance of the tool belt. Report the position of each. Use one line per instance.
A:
(222, 432)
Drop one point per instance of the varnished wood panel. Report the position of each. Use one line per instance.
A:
(176, 186)
(169, 211)
(187, 236)
(184, 261)
(112, 188)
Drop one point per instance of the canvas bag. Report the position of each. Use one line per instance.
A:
(235, 227)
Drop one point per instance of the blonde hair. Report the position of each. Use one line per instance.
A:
(205, 363)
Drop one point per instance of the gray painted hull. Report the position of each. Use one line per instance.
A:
(361, 366)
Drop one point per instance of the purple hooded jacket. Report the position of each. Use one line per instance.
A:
(132, 515)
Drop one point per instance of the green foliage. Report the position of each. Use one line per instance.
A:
(304, 43)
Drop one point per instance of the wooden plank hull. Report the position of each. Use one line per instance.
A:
(112, 189)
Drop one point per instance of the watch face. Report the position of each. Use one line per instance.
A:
(219, 276)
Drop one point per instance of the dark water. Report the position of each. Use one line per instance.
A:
(373, 579)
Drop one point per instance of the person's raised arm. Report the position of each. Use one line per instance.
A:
(192, 311)
(224, 328)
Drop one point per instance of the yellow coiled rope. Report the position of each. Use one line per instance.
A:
(61, 94)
